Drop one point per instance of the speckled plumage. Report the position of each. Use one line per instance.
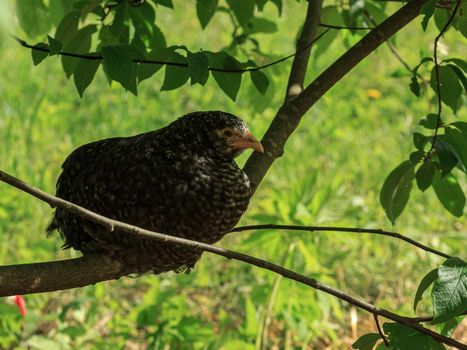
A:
(179, 180)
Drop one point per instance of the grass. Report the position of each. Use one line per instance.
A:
(331, 173)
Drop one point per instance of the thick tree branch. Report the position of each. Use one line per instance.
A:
(300, 62)
(290, 114)
(58, 275)
(71, 273)
(341, 229)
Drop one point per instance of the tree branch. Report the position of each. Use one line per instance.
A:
(58, 275)
(34, 278)
(380, 331)
(291, 113)
(341, 229)
(300, 62)
(97, 56)
(438, 84)
(333, 26)
(391, 46)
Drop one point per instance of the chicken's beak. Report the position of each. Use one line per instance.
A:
(248, 141)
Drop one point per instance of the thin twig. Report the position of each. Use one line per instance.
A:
(444, 4)
(229, 254)
(98, 56)
(380, 331)
(423, 319)
(391, 47)
(341, 229)
(333, 26)
(438, 85)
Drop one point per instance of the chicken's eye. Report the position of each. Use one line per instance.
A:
(227, 133)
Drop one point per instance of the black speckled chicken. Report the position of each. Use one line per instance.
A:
(181, 180)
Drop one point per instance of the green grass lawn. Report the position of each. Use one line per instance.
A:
(330, 174)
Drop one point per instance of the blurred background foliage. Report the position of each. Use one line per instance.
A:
(331, 173)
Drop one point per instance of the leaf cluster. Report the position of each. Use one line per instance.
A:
(124, 38)
(437, 158)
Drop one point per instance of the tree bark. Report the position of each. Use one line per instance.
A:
(291, 112)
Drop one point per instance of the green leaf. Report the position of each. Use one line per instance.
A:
(67, 28)
(157, 40)
(460, 75)
(396, 189)
(430, 121)
(205, 10)
(449, 292)
(243, 10)
(84, 74)
(260, 4)
(147, 34)
(55, 46)
(382, 346)
(450, 326)
(329, 15)
(166, 3)
(89, 7)
(428, 9)
(460, 20)
(377, 11)
(142, 17)
(446, 156)
(414, 86)
(425, 174)
(323, 44)
(175, 76)
(58, 9)
(120, 25)
(459, 63)
(38, 55)
(416, 156)
(366, 341)
(461, 126)
(402, 337)
(33, 17)
(80, 44)
(427, 281)
(419, 140)
(119, 65)
(442, 16)
(449, 193)
(147, 70)
(198, 66)
(456, 136)
(278, 4)
(260, 80)
(450, 86)
(229, 82)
